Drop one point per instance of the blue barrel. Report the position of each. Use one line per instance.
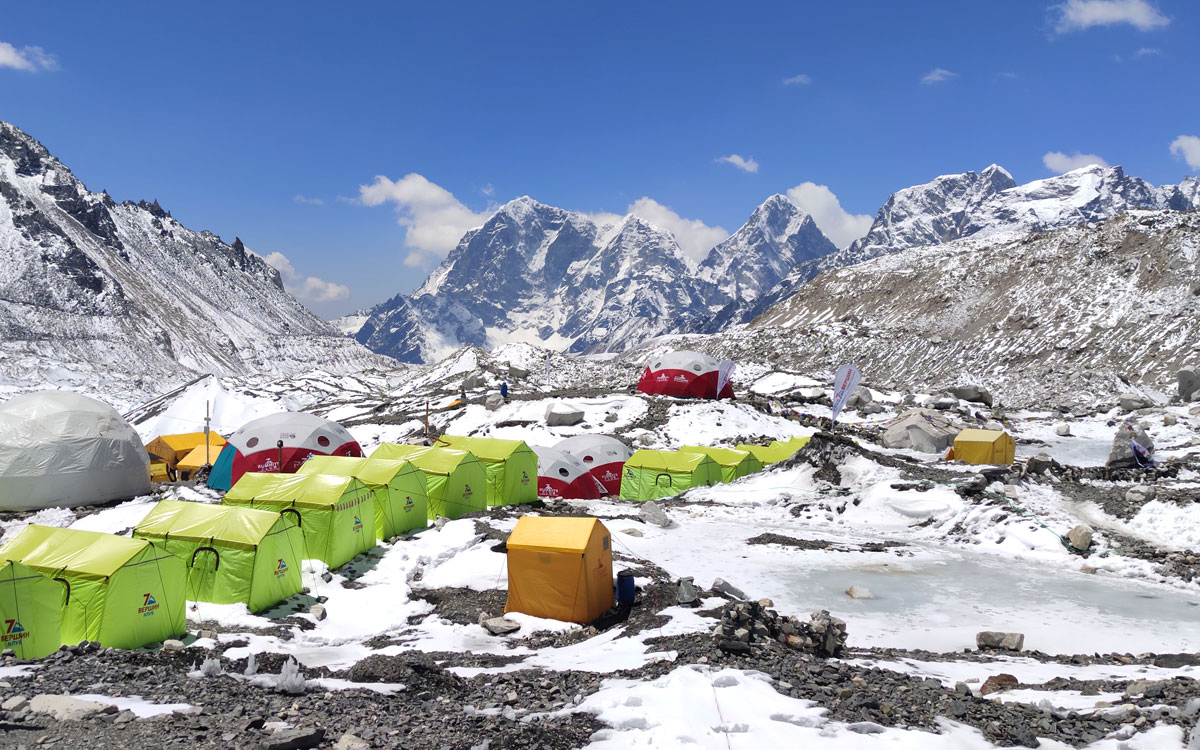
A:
(625, 588)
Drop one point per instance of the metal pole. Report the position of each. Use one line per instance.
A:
(207, 458)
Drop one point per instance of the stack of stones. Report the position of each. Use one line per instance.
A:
(753, 627)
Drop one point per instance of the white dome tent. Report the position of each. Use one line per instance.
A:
(62, 449)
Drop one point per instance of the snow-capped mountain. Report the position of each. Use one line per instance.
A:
(1068, 315)
(991, 203)
(92, 292)
(755, 258)
(541, 274)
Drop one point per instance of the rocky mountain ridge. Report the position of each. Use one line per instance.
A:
(94, 292)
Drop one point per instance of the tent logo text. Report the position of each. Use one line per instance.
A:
(681, 379)
(13, 631)
(610, 475)
(149, 604)
(268, 464)
(663, 378)
(281, 569)
(547, 491)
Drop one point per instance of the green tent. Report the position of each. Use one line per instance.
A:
(31, 611)
(121, 592)
(778, 450)
(399, 488)
(233, 554)
(512, 467)
(650, 474)
(734, 463)
(457, 481)
(336, 514)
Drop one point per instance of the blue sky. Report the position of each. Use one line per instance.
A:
(272, 121)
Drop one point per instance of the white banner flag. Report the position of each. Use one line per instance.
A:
(844, 383)
(724, 371)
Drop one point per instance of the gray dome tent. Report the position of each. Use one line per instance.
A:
(60, 449)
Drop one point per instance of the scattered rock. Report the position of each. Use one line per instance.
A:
(722, 586)
(1042, 463)
(871, 408)
(632, 532)
(317, 611)
(1170, 420)
(15, 703)
(611, 417)
(1080, 538)
(1189, 383)
(995, 639)
(859, 592)
(1140, 687)
(974, 393)
(66, 708)
(1120, 454)
(653, 514)
(748, 628)
(998, 682)
(294, 739)
(351, 742)
(501, 625)
(493, 402)
(1141, 494)
(1063, 430)
(560, 414)
(685, 591)
(861, 396)
(1134, 401)
(516, 373)
(172, 644)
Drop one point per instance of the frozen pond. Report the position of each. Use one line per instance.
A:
(940, 604)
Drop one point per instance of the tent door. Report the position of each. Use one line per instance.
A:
(658, 480)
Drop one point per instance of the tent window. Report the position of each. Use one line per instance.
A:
(605, 542)
(659, 480)
(657, 366)
(587, 459)
(252, 442)
(216, 555)
(696, 368)
(564, 472)
(322, 441)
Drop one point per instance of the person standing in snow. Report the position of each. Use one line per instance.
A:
(504, 389)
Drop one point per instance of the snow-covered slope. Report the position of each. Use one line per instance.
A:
(95, 293)
(1043, 316)
(539, 274)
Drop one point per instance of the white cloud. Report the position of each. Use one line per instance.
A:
(802, 79)
(1078, 15)
(434, 219)
(695, 237)
(306, 288)
(298, 198)
(819, 202)
(1057, 161)
(746, 165)
(938, 75)
(27, 58)
(488, 190)
(1147, 51)
(1187, 147)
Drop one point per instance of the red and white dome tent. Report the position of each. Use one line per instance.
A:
(279, 443)
(561, 475)
(603, 456)
(688, 375)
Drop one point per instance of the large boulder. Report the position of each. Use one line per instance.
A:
(860, 397)
(1121, 453)
(1189, 383)
(974, 393)
(921, 430)
(1134, 401)
(561, 414)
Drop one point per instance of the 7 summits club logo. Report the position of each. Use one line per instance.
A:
(408, 504)
(524, 477)
(149, 604)
(357, 524)
(13, 631)
(281, 569)
(466, 491)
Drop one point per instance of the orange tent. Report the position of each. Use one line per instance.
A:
(560, 568)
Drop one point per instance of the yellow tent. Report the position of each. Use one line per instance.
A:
(779, 450)
(200, 456)
(560, 568)
(984, 447)
(171, 448)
